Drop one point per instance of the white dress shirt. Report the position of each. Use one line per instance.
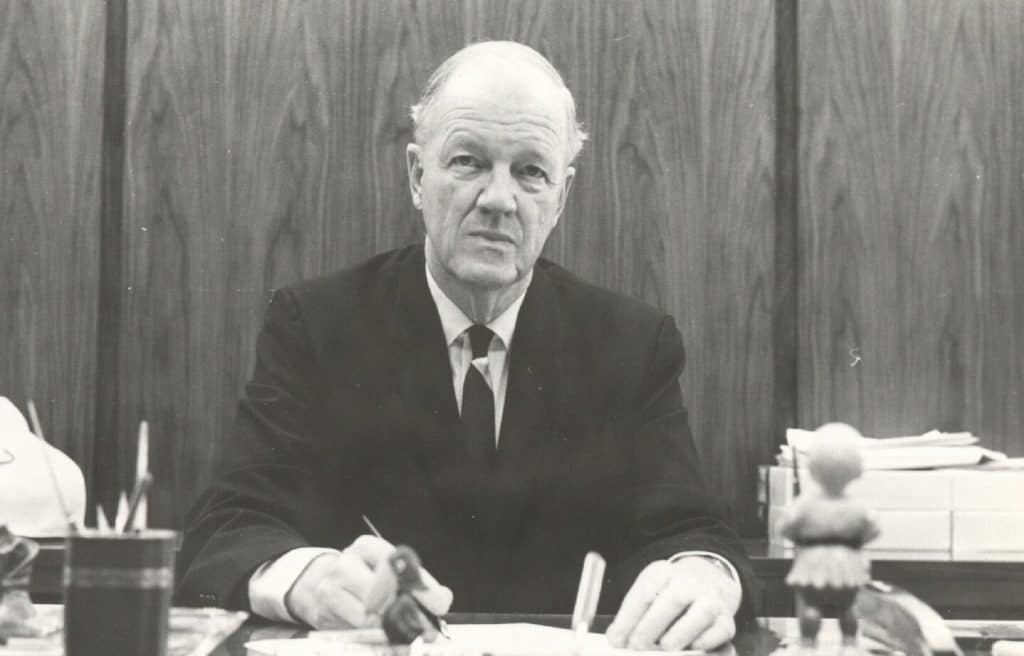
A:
(271, 582)
(494, 368)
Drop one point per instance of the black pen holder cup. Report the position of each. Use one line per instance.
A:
(117, 592)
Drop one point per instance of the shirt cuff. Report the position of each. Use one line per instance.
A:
(272, 580)
(718, 559)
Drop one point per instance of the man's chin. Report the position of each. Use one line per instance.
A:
(487, 276)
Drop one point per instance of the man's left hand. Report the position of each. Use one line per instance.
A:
(674, 605)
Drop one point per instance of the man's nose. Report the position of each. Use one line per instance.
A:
(498, 195)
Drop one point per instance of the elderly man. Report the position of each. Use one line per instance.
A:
(476, 402)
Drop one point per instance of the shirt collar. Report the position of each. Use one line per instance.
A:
(454, 321)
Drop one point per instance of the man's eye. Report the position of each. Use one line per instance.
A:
(534, 172)
(463, 161)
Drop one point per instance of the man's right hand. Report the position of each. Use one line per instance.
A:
(330, 592)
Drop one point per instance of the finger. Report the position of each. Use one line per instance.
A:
(437, 598)
(668, 607)
(636, 602)
(721, 632)
(427, 628)
(698, 618)
(339, 609)
(381, 590)
(371, 549)
(356, 576)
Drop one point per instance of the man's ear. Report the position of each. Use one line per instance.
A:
(570, 175)
(414, 164)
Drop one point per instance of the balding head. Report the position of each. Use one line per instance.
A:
(490, 170)
(497, 59)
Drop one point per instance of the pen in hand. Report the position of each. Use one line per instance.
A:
(373, 529)
(437, 622)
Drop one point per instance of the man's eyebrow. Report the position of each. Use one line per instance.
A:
(533, 153)
(526, 148)
(460, 137)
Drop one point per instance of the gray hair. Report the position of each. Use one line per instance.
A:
(418, 112)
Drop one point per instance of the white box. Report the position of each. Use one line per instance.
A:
(899, 530)
(987, 530)
(875, 489)
(988, 490)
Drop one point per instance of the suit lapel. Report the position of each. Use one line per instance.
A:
(531, 430)
(433, 430)
(533, 398)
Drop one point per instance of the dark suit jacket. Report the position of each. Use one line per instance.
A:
(351, 412)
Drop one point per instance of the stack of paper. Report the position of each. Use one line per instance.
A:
(988, 514)
(935, 494)
(910, 508)
(932, 450)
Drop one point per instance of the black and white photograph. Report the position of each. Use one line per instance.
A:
(511, 327)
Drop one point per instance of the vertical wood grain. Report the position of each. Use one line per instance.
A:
(266, 143)
(673, 204)
(51, 63)
(107, 449)
(912, 170)
(226, 196)
(785, 302)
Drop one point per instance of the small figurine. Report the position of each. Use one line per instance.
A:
(17, 613)
(829, 529)
(393, 591)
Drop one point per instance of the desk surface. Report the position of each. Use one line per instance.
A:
(976, 588)
(759, 639)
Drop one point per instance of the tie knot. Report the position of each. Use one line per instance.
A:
(480, 340)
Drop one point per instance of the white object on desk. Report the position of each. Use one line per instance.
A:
(989, 530)
(588, 593)
(29, 505)
(1008, 648)
(519, 639)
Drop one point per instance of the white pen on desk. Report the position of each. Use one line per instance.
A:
(591, 579)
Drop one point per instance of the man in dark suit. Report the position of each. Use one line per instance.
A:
(478, 403)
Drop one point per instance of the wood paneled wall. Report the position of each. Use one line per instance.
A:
(51, 73)
(911, 229)
(266, 143)
(826, 195)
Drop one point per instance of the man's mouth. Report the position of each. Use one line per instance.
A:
(493, 235)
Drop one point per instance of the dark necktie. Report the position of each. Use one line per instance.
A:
(478, 400)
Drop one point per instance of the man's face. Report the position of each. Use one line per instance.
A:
(492, 174)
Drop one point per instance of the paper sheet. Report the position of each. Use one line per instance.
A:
(931, 450)
(466, 640)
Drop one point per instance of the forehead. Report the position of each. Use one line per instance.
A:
(497, 99)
